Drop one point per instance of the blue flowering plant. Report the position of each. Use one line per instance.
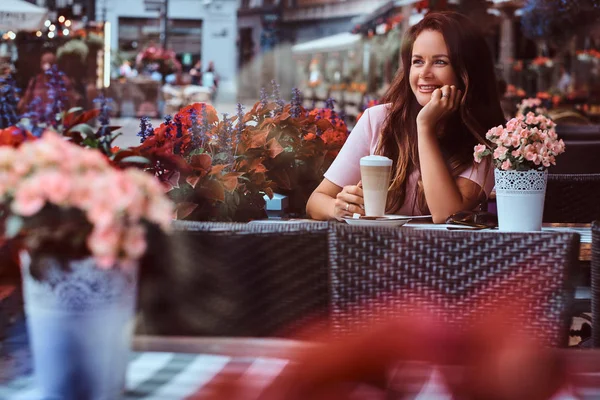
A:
(75, 124)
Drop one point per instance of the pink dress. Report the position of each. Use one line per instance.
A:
(345, 169)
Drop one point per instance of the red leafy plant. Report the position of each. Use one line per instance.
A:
(212, 169)
(220, 169)
(301, 145)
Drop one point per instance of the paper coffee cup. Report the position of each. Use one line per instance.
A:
(375, 175)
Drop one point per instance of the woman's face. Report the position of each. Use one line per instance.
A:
(430, 66)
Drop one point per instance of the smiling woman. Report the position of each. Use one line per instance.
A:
(438, 107)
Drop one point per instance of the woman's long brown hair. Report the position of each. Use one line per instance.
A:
(479, 110)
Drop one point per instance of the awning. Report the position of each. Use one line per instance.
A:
(19, 15)
(339, 42)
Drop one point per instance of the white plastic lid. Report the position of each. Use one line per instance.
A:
(375, 161)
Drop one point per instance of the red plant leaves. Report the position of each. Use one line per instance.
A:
(173, 179)
(230, 180)
(14, 136)
(192, 180)
(185, 113)
(184, 209)
(79, 117)
(281, 178)
(201, 163)
(324, 124)
(217, 169)
(212, 190)
(258, 139)
(274, 148)
(284, 116)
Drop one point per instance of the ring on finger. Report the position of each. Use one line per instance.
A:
(445, 95)
(347, 206)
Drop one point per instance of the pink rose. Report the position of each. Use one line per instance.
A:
(506, 165)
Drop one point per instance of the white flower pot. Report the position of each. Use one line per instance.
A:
(79, 322)
(520, 199)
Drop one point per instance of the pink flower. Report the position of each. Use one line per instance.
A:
(478, 153)
(506, 165)
(55, 170)
(160, 211)
(513, 124)
(134, 243)
(500, 153)
(494, 132)
(104, 242)
(56, 186)
(105, 262)
(530, 118)
(29, 198)
(101, 213)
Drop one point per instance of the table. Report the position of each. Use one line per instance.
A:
(166, 367)
(183, 367)
(584, 231)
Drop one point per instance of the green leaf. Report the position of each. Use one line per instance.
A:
(84, 129)
(136, 160)
(14, 223)
(196, 152)
(91, 142)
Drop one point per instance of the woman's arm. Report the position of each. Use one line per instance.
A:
(340, 190)
(329, 201)
(444, 194)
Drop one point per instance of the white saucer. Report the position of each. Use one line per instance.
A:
(388, 220)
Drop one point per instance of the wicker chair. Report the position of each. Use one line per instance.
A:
(582, 145)
(457, 275)
(595, 267)
(572, 198)
(228, 279)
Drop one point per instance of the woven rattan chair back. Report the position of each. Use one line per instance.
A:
(595, 267)
(457, 276)
(572, 198)
(582, 146)
(228, 279)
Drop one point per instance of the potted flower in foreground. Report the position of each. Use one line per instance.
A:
(521, 152)
(81, 224)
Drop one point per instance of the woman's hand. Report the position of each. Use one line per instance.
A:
(349, 201)
(444, 101)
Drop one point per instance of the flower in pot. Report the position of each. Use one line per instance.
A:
(81, 224)
(521, 152)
